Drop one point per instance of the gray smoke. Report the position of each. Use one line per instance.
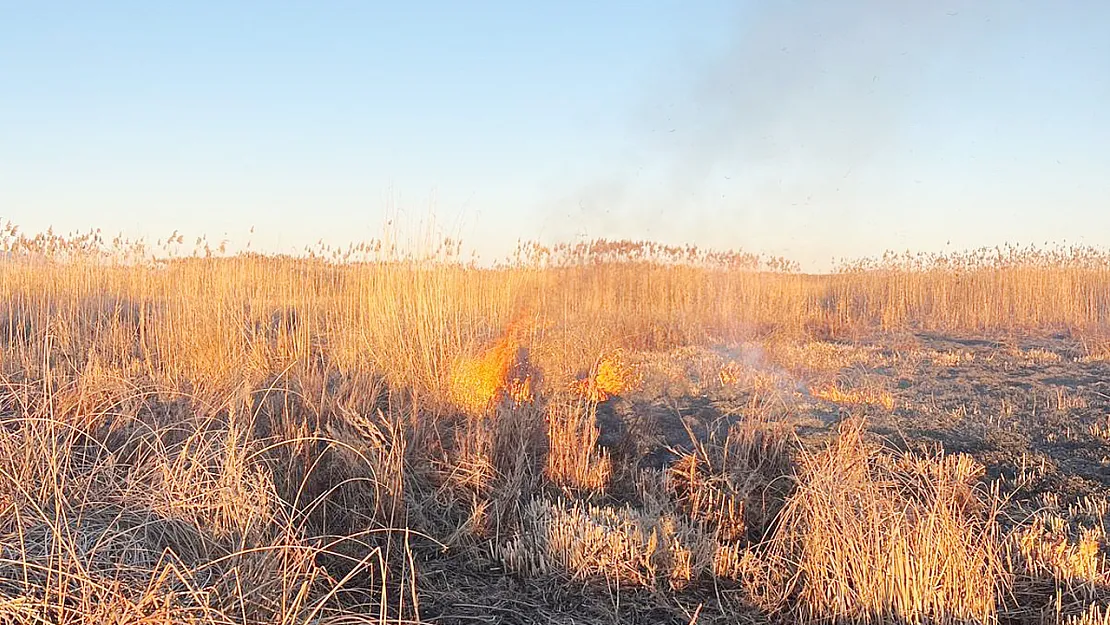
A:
(778, 132)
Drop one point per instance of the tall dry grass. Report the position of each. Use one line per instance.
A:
(199, 320)
(264, 439)
(869, 537)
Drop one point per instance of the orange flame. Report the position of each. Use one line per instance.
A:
(612, 376)
(862, 396)
(731, 373)
(501, 373)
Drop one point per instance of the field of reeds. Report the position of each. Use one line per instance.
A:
(615, 432)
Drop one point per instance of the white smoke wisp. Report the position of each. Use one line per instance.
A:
(776, 137)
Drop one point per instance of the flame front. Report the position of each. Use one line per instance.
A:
(501, 373)
(612, 376)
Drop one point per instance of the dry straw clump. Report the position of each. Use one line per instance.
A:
(730, 487)
(1060, 561)
(709, 498)
(870, 537)
(622, 545)
(1046, 549)
(137, 521)
(574, 459)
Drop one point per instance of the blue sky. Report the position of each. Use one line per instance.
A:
(810, 129)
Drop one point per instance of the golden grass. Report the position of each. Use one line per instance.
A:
(1060, 562)
(953, 358)
(1036, 356)
(821, 356)
(1094, 615)
(573, 457)
(868, 537)
(1101, 428)
(1049, 550)
(263, 439)
(1096, 349)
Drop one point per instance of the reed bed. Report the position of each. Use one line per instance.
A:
(212, 438)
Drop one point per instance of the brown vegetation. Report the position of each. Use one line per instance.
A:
(360, 436)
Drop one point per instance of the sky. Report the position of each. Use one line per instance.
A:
(811, 129)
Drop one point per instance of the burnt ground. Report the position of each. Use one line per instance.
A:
(1034, 410)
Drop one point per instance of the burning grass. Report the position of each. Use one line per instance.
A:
(610, 377)
(501, 373)
(855, 396)
(731, 373)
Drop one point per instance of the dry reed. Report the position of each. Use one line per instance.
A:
(265, 439)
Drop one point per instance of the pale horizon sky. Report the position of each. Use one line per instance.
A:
(814, 130)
